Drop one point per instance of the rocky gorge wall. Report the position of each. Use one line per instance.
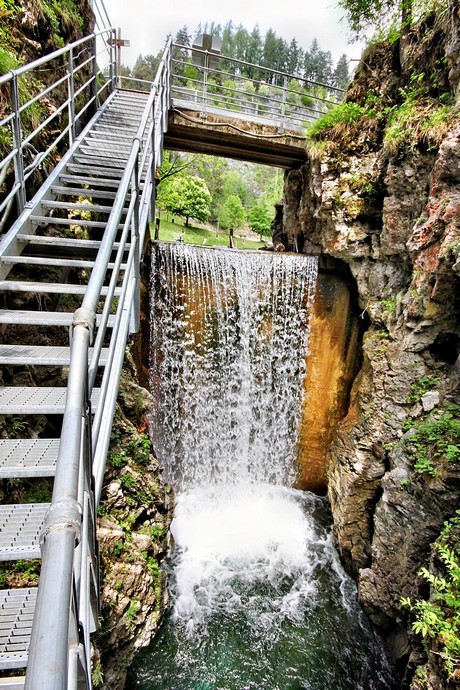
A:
(387, 204)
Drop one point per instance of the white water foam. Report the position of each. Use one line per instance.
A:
(237, 544)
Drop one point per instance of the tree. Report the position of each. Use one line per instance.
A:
(341, 75)
(185, 195)
(260, 217)
(374, 14)
(145, 68)
(232, 214)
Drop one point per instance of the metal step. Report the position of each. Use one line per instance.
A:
(17, 608)
(51, 220)
(115, 163)
(70, 206)
(49, 288)
(73, 179)
(106, 146)
(41, 355)
(37, 400)
(16, 683)
(28, 457)
(95, 170)
(52, 262)
(20, 529)
(81, 191)
(66, 242)
(19, 317)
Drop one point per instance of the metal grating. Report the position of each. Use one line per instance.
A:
(43, 318)
(41, 355)
(20, 527)
(43, 400)
(15, 683)
(50, 288)
(16, 615)
(30, 457)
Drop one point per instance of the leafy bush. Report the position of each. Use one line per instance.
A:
(416, 122)
(434, 440)
(348, 114)
(438, 619)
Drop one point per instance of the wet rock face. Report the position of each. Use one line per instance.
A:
(395, 220)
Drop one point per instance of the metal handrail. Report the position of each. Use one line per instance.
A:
(76, 60)
(270, 98)
(82, 454)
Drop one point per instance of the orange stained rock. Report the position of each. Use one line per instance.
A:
(331, 367)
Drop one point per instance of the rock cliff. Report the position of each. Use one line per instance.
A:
(381, 193)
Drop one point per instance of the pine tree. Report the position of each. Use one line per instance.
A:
(341, 76)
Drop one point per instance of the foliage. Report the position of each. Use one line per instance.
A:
(185, 195)
(438, 619)
(20, 573)
(97, 675)
(232, 213)
(386, 18)
(420, 387)
(260, 217)
(345, 114)
(415, 122)
(133, 609)
(170, 232)
(435, 440)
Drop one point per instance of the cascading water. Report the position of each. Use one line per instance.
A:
(258, 596)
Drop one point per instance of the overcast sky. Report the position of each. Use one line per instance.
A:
(146, 23)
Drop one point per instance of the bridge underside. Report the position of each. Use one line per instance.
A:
(230, 137)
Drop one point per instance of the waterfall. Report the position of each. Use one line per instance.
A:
(258, 596)
(230, 340)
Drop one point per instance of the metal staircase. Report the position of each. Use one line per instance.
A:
(80, 238)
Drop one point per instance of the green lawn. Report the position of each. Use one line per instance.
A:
(169, 232)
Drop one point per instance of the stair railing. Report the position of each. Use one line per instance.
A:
(75, 95)
(67, 601)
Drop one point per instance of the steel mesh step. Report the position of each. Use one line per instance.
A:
(17, 608)
(41, 355)
(48, 288)
(30, 457)
(39, 400)
(42, 318)
(15, 683)
(20, 527)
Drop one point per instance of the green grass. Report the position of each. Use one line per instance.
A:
(169, 232)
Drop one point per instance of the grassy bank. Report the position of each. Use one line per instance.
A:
(169, 232)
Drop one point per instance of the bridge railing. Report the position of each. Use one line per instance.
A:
(47, 103)
(218, 84)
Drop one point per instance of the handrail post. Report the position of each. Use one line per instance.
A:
(94, 82)
(17, 143)
(113, 59)
(71, 92)
(135, 311)
(153, 165)
(205, 81)
(283, 105)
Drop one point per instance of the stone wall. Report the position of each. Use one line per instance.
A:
(393, 217)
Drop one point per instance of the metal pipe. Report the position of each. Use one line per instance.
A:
(17, 144)
(52, 56)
